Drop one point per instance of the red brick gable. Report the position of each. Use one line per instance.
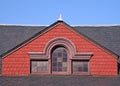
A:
(17, 62)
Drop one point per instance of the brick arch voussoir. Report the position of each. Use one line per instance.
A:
(68, 44)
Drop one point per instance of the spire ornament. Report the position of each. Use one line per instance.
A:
(60, 18)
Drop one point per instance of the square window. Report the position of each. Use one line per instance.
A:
(80, 66)
(39, 66)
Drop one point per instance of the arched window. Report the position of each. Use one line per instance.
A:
(59, 60)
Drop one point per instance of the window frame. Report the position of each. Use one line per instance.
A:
(81, 73)
(42, 72)
(68, 63)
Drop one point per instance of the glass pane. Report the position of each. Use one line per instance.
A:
(85, 67)
(59, 54)
(64, 53)
(34, 66)
(64, 64)
(59, 64)
(75, 66)
(64, 59)
(54, 64)
(59, 59)
(54, 54)
(80, 66)
(34, 69)
(80, 69)
(54, 68)
(59, 69)
(54, 59)
(64, 69)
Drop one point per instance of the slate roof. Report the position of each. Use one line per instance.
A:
(13, 35)
(59, 81)
(107, 36)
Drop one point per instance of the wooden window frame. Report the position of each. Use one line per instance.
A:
(81, 73)
(42, 72)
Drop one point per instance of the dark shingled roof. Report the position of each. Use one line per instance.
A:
(107, 36)
(12, 35)
(59, 81)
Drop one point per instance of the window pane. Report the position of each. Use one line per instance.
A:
(80, 69)
(59, 64)
(59, 69)
(54, 54)
(54, 59)
(64, 59)
(64, 53)
(64, 69)
(85, 67)
(59, 54)
(64, 64)
(54, 68)
(54, 64)
(34, 66)
(59, 59)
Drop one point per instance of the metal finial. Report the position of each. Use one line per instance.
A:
(60, 18)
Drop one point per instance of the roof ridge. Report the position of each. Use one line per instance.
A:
(21, 25)
(104, 25)
(95, 25)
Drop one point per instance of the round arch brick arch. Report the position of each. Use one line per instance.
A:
(60, 42)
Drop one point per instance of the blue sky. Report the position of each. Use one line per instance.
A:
(46, 12)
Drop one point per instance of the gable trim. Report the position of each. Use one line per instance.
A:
(51, 27)
(31, 39)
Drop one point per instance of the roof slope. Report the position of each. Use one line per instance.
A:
(59, 81)
(11, 35)
(107, 36)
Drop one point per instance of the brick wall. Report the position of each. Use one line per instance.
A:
(18, 62)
